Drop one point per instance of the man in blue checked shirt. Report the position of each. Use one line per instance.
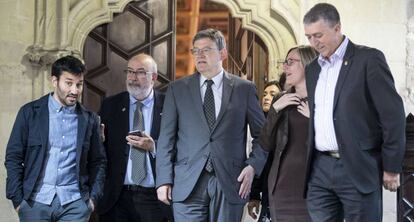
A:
(55, 159)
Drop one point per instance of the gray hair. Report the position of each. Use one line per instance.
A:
(324, 11)
(212, 34)
(146, 58)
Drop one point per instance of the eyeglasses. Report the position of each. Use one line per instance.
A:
(289, 61)
(197, 51)
(137, 73)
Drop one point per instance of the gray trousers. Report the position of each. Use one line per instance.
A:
(207, 203)
(332, 197)
(32, 211)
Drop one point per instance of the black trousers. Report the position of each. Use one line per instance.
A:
(139, 204)
(332, 197)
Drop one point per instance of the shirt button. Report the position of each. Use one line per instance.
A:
(63, 137)
(63, 120)
(61, 152)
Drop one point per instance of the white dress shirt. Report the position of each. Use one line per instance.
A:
(217, 88)
(325, 138)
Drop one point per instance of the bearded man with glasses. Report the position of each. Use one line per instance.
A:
(132, 123)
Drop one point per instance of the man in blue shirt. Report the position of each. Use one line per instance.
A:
(130, 185)
(55, 160)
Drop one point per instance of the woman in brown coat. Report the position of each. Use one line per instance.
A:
(285, 132)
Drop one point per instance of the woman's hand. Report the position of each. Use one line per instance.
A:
(286, 100)
(303, 108)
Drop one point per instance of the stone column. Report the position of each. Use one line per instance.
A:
(408, 93)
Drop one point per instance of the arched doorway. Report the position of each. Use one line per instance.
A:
(248, 54)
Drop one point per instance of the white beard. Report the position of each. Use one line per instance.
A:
(138, 92)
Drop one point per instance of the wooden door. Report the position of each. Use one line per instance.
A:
(144, 26)
(248, 56)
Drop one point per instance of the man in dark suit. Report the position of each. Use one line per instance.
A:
(55, 159)
(357, 124)
(202, 165)
(129, 193)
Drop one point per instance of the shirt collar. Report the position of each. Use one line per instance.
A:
(55, 105)
(218, 79)
(146, 102)
(338, 54)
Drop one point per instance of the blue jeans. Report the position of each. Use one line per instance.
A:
(33, 211)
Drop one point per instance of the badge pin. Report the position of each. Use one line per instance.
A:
(346, 63)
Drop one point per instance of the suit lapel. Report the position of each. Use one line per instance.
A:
(83, 119)
(82, 125)
(194, 84)
(156, 122)
(43, 123)
(226, 94)
(156, 115)
(343, 73)
(123, 114)
(311, 81)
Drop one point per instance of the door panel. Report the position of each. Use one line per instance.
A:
(248, 56)
(145, 26)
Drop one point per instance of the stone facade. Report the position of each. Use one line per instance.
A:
(34, 33)
(408, 89)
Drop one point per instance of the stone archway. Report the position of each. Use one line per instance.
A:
(62, 26)
(273, 27)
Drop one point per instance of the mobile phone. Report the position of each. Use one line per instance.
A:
(135, 133)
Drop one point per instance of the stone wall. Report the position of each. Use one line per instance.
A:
(408, 92)
(16, 78)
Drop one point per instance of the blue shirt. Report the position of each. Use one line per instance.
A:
(147, 108)
(59, 171)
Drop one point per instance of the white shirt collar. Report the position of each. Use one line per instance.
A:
(146, 102)
(337, 55)
(217, 79)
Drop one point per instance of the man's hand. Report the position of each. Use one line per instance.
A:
(102, 128)
(17, 208)
(164, 194)
(253, 207)
(144, 142)
(92, 205)
(246, 179)
(391, 181)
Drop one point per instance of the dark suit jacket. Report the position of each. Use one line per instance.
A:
(368, 117)
(28, 146)
(186, 141)
(115, 115)
(274, 138)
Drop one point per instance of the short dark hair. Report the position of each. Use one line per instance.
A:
(212, 34)
(324, 11)
(273, 83)
(69, 64)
